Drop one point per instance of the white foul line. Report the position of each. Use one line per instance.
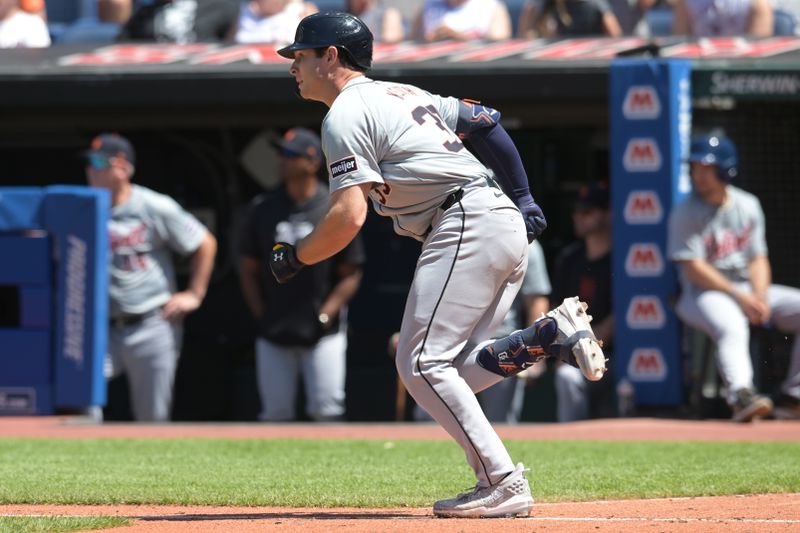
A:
(645, 519)
(528, 518)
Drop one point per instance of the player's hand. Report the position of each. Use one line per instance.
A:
(754, 308)
(180, 305)
(394, 341)
(535, 223)
(283, 262)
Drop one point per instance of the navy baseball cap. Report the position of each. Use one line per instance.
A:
(300, 142)
(593, 196)
(111, 145)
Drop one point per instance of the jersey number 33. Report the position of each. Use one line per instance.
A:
(451, 141)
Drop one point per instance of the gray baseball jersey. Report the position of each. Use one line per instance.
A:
(402, 140)
(142, 232)
(728, 237)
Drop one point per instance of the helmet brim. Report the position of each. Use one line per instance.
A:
(288, 51)
(704, 159)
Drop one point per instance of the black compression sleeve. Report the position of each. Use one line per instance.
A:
(495, 147)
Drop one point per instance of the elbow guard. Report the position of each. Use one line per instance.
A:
(473, 116)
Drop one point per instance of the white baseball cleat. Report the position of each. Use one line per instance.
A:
(576, 338)
(508, 499)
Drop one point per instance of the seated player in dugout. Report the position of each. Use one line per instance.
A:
(397, 146)
(717, 238)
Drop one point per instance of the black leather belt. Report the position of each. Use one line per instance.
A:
(124, 321)
(451, 199)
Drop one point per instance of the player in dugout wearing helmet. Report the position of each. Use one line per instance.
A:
(717, 237)
(399, 147)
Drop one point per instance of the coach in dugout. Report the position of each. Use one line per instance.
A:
(145, 310)
(302, 327)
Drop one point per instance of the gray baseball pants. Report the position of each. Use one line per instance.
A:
(469, 271)
(572, 394)
(147, 352)
(323, 367)
(720, 317)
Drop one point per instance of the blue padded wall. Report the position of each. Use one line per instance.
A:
(36, 306)
(28, 400)
(78, 219)
(25, 357)
(53, 264)
(26, 260)
(20, 208)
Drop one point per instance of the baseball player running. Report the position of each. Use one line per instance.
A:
(399, 146)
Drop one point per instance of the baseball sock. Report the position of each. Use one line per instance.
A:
(508, 356)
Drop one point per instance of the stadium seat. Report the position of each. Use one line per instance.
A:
(785, 23)
(514, 9)
(660, 21)
(63, 11)
(90, 31)
(60, 14)
(75, 21)
(329, 5)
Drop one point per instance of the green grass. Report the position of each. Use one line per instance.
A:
(58, 524)
(372, 473)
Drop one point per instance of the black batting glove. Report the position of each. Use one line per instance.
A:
(535, 223)
(283, 262)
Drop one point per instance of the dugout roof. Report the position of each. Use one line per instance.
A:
(221, 78)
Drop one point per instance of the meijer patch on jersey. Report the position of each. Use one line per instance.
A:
(343, 166)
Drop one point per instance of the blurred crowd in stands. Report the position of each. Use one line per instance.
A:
(40, 23)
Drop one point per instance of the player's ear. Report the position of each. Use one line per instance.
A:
(129, 168)
(331, 54)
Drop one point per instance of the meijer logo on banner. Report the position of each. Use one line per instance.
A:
(642, 155)
(645, 312)
(644, 260)
(647, 364)
(643, 207)
(641, 103)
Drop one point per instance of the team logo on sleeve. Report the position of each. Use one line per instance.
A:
(343, 166)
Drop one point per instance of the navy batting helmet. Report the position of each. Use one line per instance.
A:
(716, 150)
(341, 30)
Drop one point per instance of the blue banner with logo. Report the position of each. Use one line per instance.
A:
(650, 105)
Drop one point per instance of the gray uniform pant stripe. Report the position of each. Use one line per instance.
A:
(720, 317)
(470, 269)
(422, 351)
